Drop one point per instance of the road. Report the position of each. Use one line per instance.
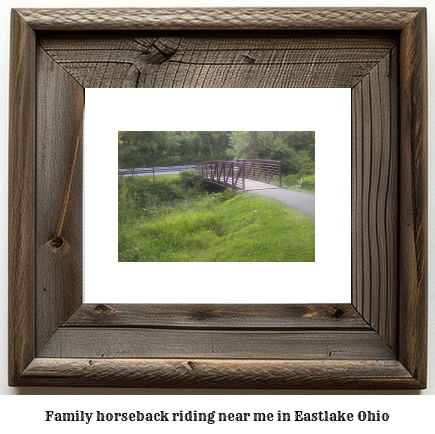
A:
(302, 202)
(157, 172)
(147, 171)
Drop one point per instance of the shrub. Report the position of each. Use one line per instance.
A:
(309, 182)
(229, 193)
(292, 180)
(190, 179)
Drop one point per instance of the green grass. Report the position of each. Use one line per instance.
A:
(293, 182)
(218, 227)
(303, 190)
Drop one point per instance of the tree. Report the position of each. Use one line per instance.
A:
(146, 149)
(295, 149)
(197, 146)
(237, 144)
(298, 140)
(243, 144)
(126, 151)
(252, 150)
(190, 148)
(215, 141)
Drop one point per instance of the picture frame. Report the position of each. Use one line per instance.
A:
(378, 341)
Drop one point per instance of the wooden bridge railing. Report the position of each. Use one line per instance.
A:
(234, 174)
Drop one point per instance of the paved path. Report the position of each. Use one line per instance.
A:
(257, 185)
(302, 202)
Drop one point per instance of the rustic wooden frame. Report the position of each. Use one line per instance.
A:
(377, 341)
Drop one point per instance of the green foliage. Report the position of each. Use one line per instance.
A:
(198, 146)
(146, 149)
(126, 206)
(238, 141)
(308, 182)
(137, 198)
(141, 199)
(190, 179)
(214, 143)
(292, 180)
(305, 162)
(243, 229)
(191, 147)
(298, 182)
(188, 225)
(298, 140)
(295, 149)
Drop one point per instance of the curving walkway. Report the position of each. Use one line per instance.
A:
(302, 202)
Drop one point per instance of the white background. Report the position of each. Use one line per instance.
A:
(325, 111)
(410, 413)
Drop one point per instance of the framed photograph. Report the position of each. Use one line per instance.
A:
(377, 341)
(186, 227)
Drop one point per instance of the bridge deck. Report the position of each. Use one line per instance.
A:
(250, 184)
(243, 174)
(257, 185)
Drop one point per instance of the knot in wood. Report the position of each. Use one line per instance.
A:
(103, 309)
(58, 244)
(338, 313)
(158, 51)
(249, 59)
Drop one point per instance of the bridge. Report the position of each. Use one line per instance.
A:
(244, 174)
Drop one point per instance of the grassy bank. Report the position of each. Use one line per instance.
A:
(305, 184)
(303, 190)
(188, 223)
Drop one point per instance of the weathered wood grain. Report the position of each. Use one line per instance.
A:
(126, 342)
(391, 299)
(220, 18)
(382, 346)
(375, 198)
(235, 60)
(220, 317)
(21, 196)
(413, 197)
(229, 374)
(387, 218)
(357, 199)
(60, 105)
